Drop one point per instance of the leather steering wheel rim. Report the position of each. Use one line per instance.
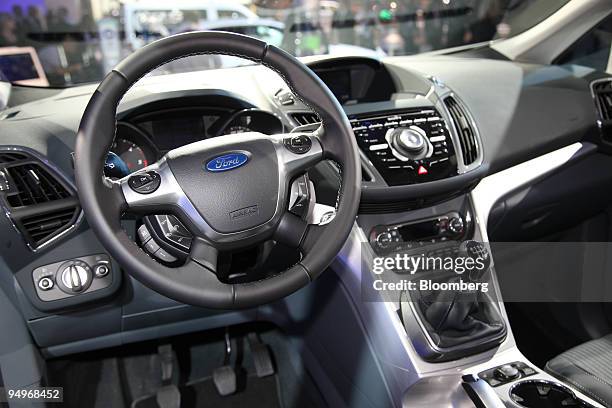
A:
(103, 201)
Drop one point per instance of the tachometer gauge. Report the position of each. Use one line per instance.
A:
(131, 154)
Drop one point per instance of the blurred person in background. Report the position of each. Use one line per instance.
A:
(8, 31)
(35, 21)
(485, 27)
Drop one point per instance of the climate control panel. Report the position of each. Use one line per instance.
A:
(407, 147)
(72, 277)
(451, 226)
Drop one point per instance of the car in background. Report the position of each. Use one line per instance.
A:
(149, 20)
(278, 34)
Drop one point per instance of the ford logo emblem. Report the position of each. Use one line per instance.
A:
(227, 162)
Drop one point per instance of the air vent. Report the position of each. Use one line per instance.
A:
(465, 130)
(33, 185)
(40, 204)
(304, 118)
(602, 91)
(41, 227)
(9, 157)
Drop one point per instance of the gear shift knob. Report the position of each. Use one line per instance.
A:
(480, 254)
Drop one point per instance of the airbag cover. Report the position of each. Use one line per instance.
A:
(243, 195)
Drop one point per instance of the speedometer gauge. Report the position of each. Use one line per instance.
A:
(132, 155)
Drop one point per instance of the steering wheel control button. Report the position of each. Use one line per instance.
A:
(300, 196)
(74, 276)
(101, 270)
(174, 232)
(145, 183)
(164, 256)
(298, 144)
(151, 246)
(46, 283)
(144, 234)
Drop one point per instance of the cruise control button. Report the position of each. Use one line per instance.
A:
(145, 183)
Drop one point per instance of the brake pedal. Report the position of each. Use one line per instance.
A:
(224, 377)
(169, 395)
(262, 356)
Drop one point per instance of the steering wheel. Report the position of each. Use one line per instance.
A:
(231, 191)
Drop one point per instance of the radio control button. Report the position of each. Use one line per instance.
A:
(380, 146)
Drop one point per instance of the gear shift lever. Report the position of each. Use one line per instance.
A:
(460, 320)
(477, 251)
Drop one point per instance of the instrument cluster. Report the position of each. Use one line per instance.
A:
(144, 139)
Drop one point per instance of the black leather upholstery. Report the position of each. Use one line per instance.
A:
(588, 367)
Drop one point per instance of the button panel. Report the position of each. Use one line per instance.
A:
(145, 183)
(298, 144)
(506, 373)
(72, 277)
(396, 167)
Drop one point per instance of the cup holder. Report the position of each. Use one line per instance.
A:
(545, 394)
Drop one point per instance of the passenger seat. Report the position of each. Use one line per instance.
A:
(587, 367)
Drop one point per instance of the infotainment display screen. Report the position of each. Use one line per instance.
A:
(339, 82)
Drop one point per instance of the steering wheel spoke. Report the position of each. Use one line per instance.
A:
(204, 254)
(298, 152)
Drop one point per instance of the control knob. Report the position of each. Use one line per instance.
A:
(507, 372)
(384, 239)
(455, 225)
(74, 276)
(408, 142)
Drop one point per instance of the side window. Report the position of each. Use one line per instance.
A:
(593, 49)
(223, 14)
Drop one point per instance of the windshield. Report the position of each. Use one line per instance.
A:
(64, 43)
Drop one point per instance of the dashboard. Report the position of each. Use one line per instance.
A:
(428, 129)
